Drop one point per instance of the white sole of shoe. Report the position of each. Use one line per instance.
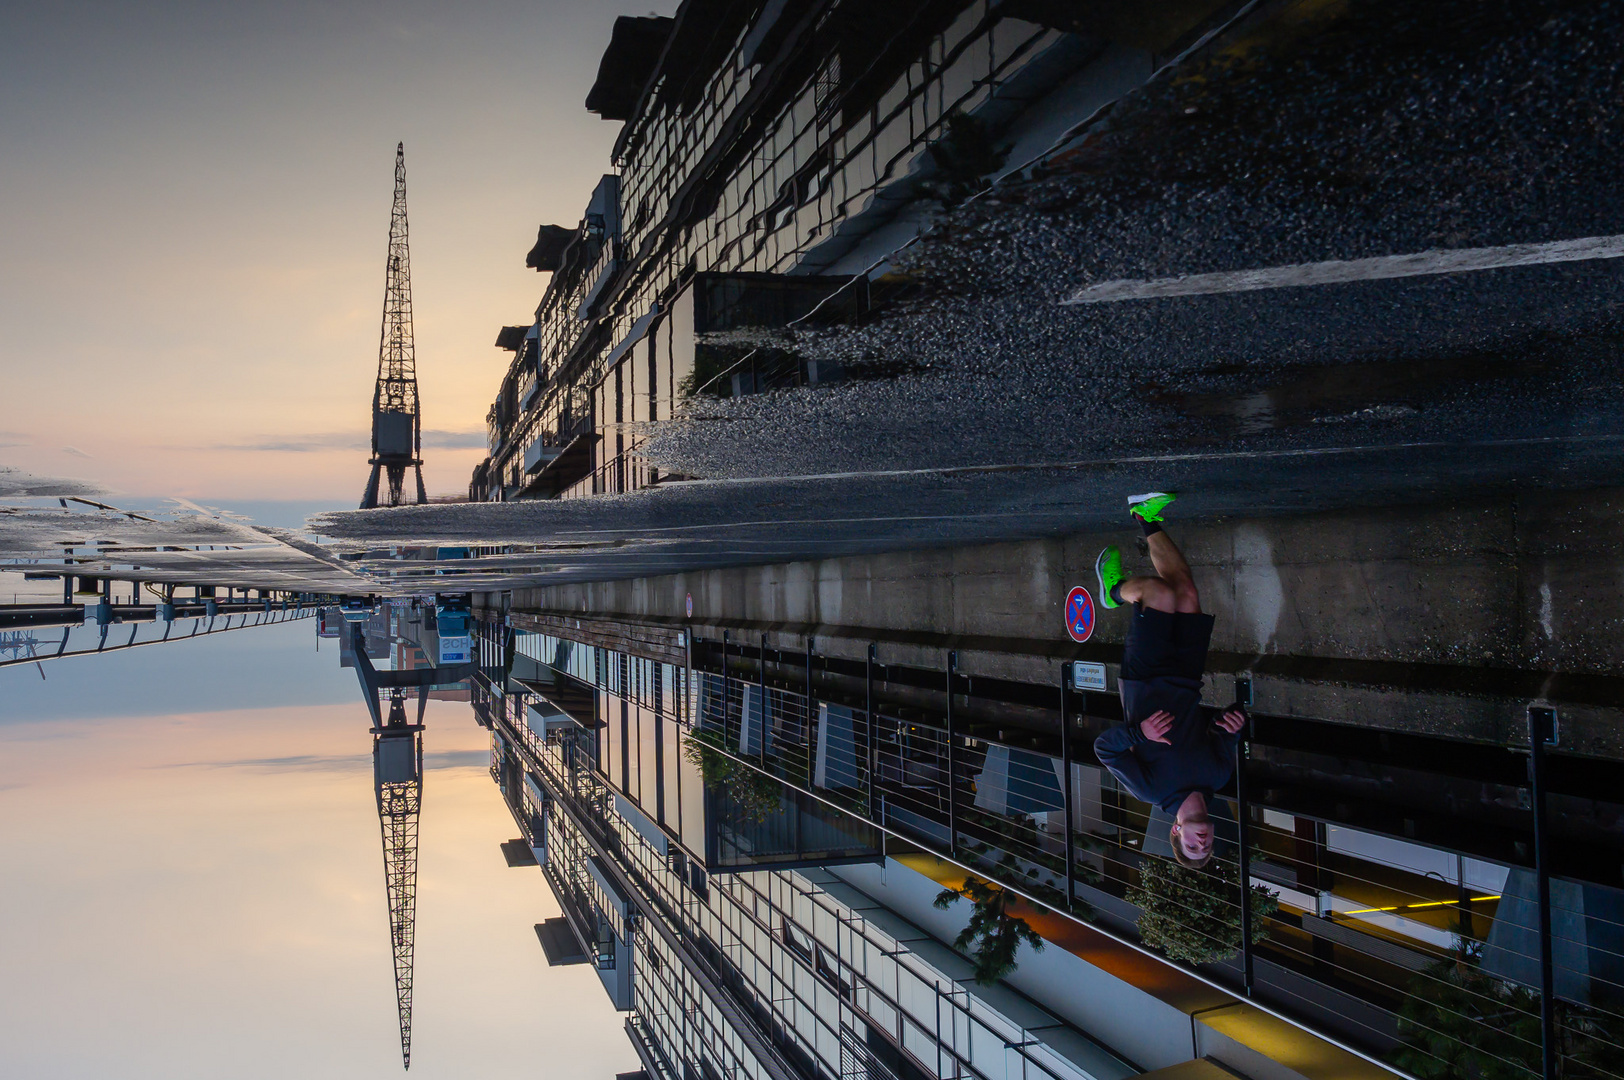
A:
(1135, 500)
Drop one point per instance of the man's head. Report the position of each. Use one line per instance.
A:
(1191, 834)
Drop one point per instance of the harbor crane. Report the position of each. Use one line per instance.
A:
(397, 422)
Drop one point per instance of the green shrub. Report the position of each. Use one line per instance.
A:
(993, 936)
(756, 795)
(1195, 915)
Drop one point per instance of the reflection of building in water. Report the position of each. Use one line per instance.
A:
(1400, 855)
(404, 635)
(369, 637)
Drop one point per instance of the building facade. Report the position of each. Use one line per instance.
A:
(748, 957)
(772, 155)
(832, 794)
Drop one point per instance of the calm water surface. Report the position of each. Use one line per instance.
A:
(194, 883)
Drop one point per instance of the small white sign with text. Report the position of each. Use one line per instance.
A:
(1087, 676)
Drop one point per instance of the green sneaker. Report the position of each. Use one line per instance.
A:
(1109, 569)
(1149, 506)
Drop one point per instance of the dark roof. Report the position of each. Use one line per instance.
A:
(551, 240)
(634, 51)
(558, 941)
(518, 853)
(511, 338)
(704, 34)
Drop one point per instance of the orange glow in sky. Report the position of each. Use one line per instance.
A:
(194, 210)
(203, 895)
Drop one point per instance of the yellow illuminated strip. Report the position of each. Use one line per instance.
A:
(1414, 907)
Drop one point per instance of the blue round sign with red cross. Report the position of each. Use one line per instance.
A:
(1079, 614)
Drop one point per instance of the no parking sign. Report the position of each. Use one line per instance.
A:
(1079, 614)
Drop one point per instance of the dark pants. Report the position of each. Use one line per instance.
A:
(1166, 644)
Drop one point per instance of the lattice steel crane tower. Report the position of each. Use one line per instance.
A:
(397, 425)
(397, 772)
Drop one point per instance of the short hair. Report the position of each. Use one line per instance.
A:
(1181, 856)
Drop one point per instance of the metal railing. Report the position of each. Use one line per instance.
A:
(1414, 965)
(29, 645)
(925, 1013)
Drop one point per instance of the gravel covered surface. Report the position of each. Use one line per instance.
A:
(1371, 128)
(1392, 128)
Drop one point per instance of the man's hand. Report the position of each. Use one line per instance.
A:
(1156, 726)
(1232, 721)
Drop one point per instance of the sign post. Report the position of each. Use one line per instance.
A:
(1079, 614)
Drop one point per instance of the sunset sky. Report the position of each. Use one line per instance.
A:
(194, 881)
(194, 208)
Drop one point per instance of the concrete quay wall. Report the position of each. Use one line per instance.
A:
(1446, 618)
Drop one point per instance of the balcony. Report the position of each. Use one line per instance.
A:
(599, 277)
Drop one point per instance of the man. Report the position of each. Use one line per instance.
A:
(1171, 750)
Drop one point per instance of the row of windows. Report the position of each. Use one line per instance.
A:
(811, 171)
(812, 971)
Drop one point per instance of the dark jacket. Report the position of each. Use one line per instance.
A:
(1201, 757)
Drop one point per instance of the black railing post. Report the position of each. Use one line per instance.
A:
(1065, 783)
(1542, 730)
(722, 722)
(761, 733)
(1243, 818)
(688, 679)
(873, 728)
(810, 712)
(952, 764)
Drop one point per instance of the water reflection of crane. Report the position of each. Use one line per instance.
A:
(397, 771)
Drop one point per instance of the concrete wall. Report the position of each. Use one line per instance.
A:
(1448, 617)
(1533, 582)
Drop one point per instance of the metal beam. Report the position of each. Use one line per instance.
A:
(873, 728)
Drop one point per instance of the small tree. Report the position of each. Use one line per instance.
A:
(1458, 1021)
(1195, 915)
(993, 936)
(756, 795)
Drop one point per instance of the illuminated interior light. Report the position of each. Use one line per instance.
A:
(1417, 907)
